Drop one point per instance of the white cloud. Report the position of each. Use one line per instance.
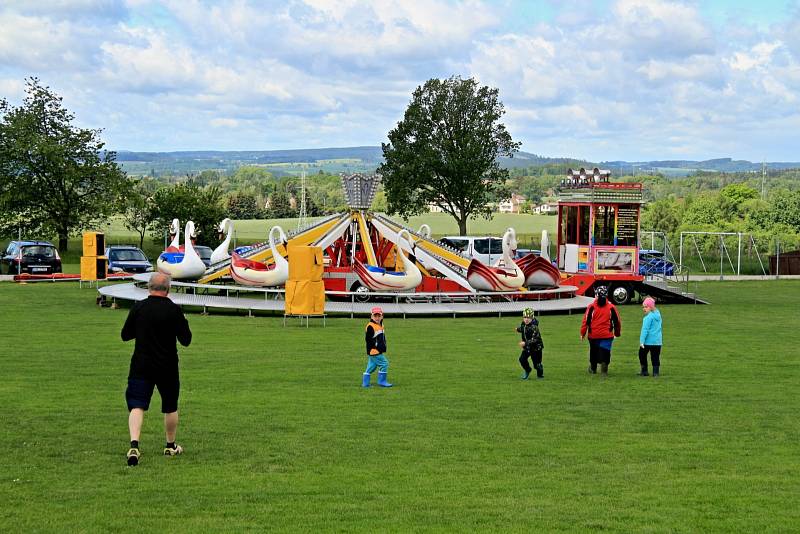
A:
(109, 9)
(757, 56)
(776, 88)
(698, 68)
(225, 123)
(150, 61)
(12, 89)
(657, 28)
(38, 43)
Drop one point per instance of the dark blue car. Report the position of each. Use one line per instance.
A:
(653, 262)
(128, 259)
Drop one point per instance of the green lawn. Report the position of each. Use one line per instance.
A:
(279, 436)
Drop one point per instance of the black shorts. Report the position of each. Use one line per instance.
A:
(140, 390)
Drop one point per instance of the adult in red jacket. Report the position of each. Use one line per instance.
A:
(601, 323)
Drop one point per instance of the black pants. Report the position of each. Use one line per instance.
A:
(534, 355)
(598, 354)
(655, 355)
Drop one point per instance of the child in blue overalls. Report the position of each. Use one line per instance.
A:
(376, 350)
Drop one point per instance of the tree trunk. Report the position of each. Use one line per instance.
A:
(63, 241)
(141, 239)
(462, 225)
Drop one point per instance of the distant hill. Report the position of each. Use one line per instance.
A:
(683, 167)
(368, 158)
(366, 153)
(279, 162)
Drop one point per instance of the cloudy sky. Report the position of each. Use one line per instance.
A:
(601, 80)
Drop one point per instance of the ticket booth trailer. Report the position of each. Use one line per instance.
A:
(598, 232)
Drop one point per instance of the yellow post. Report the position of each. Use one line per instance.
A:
(94, 264)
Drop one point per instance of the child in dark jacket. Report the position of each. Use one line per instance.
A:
(531, 344)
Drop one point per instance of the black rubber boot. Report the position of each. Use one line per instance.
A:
(643, 372)
(592, 368)
(655, 370)
(540, 371)
(604, 369)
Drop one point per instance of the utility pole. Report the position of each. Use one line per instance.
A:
(763, 177)
(301, 220)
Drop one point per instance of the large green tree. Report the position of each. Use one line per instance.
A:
(662, 216)
(139, 210)
(445, 151)
(55, 178)
(242, 206)
(279, 205)
(188, 202)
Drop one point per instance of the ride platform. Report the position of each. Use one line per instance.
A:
(209, 297)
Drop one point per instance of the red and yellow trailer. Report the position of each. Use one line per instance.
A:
(598, 233)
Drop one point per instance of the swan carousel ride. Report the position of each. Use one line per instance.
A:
(407, 275)
(183, 264)
(505, 275)
(221, 252)
(255, 273)
(539, 270)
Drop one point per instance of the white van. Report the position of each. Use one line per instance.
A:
(487, 250)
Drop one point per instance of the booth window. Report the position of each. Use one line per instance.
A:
(583, 236)
(604, 225)
(575, 225)
(569, 224)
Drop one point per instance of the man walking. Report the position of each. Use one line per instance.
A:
(155, 323)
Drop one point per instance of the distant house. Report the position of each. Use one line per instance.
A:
(549, 208)
(433, 208)
(511, 205)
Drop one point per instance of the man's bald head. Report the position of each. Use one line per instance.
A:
(159, 284)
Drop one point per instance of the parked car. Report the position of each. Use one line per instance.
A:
(521, 252)
(653, 262)
(128, 259)
(204, 253)
(31, 257)
(487, 250)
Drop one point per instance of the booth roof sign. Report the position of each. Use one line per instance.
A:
(628, 193)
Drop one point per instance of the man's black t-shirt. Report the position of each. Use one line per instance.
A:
(156, 323)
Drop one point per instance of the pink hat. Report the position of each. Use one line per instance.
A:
(649, 302)
(377, 309)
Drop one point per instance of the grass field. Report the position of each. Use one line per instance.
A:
(280, 437)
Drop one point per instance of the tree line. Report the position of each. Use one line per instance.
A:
(210, 196)
(766, 206)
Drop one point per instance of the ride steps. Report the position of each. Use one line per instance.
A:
(664, 292)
